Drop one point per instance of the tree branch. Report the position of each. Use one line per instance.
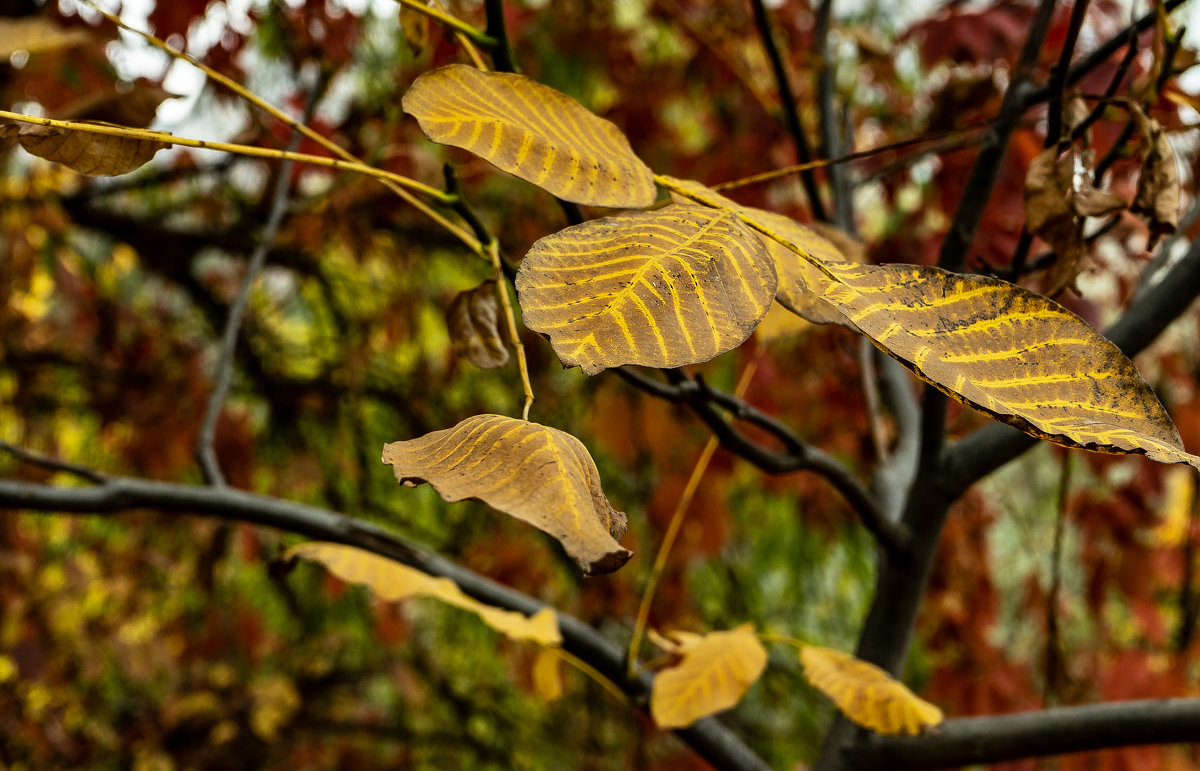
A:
(831, 142)
(708, 738)
(997, 738)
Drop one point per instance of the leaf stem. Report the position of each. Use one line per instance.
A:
(493, 249)
(471, 243)
(681, 507)
(593, 673)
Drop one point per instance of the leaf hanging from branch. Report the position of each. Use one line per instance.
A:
(98, 155)
(713, 673)
(533, 132)
(472, 320)
(392, 581)
(535, 473)
(866, 694)
(1158, 190)
(665, 288)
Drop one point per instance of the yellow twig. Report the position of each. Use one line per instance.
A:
(256, 152)
(493, 248)
(470, 241)
(445, 19)
(681, 507)
(593, 673)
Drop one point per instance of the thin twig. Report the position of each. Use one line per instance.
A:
(502, 53)
(493, 248)
(831, 140)
(1058, 74)
(50, 463)
(206, 454)
(481, 39)
(1054, 653)
(791, 115)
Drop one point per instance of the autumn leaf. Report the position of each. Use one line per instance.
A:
(392, 581)
(535, 473)
(713, 673)
(415, 26)
(866, 694)
(665, 288)
(472, 320)
(35, 34)
(547, 675)
(1158, 190)
(102, 155)
(533, 132)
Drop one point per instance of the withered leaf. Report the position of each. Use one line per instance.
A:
(415, 26)
(533, 132)
(866, 694)
(1158, 190)
(662, 288)
(392, 581)
(712, 674)
(535, 473)
(473, 322)
(101, 155)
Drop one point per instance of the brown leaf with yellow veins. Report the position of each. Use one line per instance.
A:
(473, 322)
(1158, 190)
(662, 288)
(866, 694)
(533, 132)
(713, 673)
(535, 473)
(392, 581)
(100, 155)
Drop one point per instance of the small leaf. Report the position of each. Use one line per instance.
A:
(712, 675)
(664, 288)
(472, 320)
(535, 473)
(102, 155)
(533, 132)
(392, 581)
(866, 694)
(415, 26)
(1018, 356)
(35, 34)
(1158, 191)
(547, 674)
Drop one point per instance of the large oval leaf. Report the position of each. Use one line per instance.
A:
(661, 289)
(391, 581)
(712, 674)
(535, 473)
(866, 694)
(533, 132)
(1014, 354)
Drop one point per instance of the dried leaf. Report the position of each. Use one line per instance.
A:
(664, 288)
(102, 155)
(415, 26)
(712, 675)
(533, 132)
(392, 581)
(35, 34)
(866, 694)
(1016, 355)
(472, 320)
(1158, 191)
(535, 473)
(547, 674)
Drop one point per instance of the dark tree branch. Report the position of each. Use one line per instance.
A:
(831, 141)
(708, 738)
(502, 53)
(1058, 75)
(791, 116)
(997, 738)
(52, 464)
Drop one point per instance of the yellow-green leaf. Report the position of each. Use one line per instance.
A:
(100, 155)
(532, 472)
(1014, 354)
(866, 694)
(547, 674)
(533, 132)
(392, 581)
(665, 288)
(472, 320)
(713, 673)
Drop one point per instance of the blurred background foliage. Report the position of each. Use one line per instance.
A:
(158, 641)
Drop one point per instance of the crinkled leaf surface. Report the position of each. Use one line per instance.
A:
(1158, 191)
(532, 472)
(472, 321)
(98, 155)
(713, 673)
(392, 581)
(664, 288)
(1014, 354)
(866, 694)
(533, 132)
